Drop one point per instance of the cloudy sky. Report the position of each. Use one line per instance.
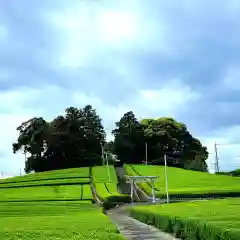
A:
(157, 58)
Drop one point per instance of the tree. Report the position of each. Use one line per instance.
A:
(162, 135)
(129, 139)
(73, 140)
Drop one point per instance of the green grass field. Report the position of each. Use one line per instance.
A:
(55, 220)
(56, 174)
(101, 181)
(205, 220)
(183, 182)
(48, 182)
(54, 205)
(100, 174)
(61, 192)
(106, 190)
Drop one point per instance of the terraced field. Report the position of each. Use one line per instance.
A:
(185, 183)
(107, 190)
(203, 220)
(55, 220)
(57, 205)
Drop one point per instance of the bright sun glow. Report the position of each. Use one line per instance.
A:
(116, 26)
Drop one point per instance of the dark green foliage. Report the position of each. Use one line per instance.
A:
(114, 200)
(235, 173)
(162, 135)
(69, 141)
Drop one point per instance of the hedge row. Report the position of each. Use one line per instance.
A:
(114, 200)
(110, 199)
(189, 229)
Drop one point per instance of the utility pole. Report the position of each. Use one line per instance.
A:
(216, 158)
(166, 176)
(109, 177)
(102, 153)
(146, 154)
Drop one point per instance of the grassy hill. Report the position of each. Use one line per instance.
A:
(185, 182)
(56, 205)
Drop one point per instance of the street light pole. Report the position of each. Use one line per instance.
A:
(109, 177)
(165, 167)
(166, 176)
(146, 156)
(216, 158)
(102, 153)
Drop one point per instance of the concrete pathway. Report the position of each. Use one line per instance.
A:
(133, 229)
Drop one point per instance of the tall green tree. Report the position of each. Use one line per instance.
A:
(72, 140)
(162, 136)
(129, 139)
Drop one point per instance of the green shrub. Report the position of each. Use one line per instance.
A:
(201, 220)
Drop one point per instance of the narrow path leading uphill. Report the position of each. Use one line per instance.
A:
(133, 229)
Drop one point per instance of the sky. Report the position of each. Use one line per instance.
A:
(157, 58)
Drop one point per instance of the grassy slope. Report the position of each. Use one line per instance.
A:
(54, 220)
(47, 182)
(104, 188)
(61, 192)
(63, 184)
(57, 174)
(100, 174)
(221, 215)
(184, 182)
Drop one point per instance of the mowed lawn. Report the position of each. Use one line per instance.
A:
(206, 219)
(183, 182)
(54, 220)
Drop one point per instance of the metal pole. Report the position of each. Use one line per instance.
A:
(153, 191)
(146, 156)
(109, 177)
(216, 158)
(102, 153)
(131, 189)
(166, 176)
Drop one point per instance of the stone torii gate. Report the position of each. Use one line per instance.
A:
(135, 179)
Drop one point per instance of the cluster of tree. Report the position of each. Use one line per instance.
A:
(69, 141)
(235, 173)
(77, 139)
(150, 139)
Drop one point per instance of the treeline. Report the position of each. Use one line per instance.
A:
(234, 173)
(78, 139)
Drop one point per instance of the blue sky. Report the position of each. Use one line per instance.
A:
(157, 58)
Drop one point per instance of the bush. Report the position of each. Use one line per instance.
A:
(200, 220)
(114, 200)
(185, 229)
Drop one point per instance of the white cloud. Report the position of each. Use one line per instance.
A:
(168, 100)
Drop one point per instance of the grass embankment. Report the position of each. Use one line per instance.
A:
(63, 174)
(66, 184)
(186, 183)
(55, 220)
(106, 188)
(205, 220)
